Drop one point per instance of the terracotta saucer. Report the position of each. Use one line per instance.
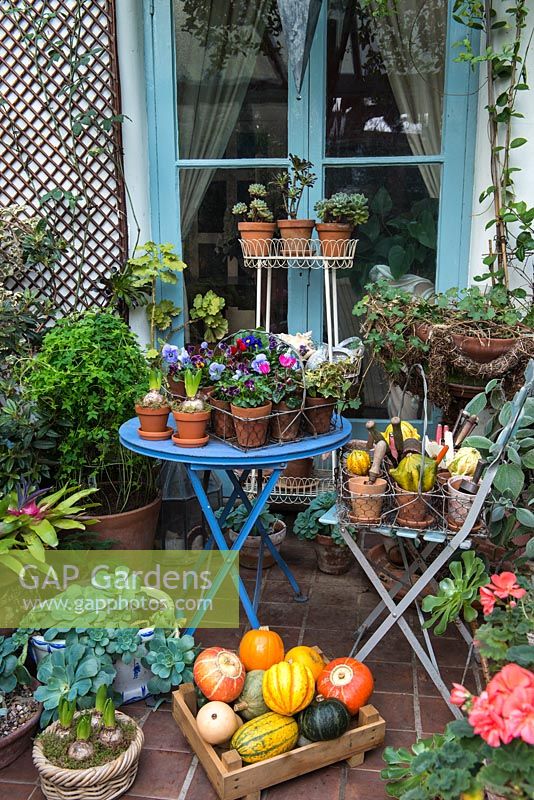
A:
(155, 436)
(406, 522)
(455, 526)
(190, 442)
(363, 520)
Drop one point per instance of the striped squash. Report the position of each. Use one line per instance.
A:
(265, 737)
(288, 688)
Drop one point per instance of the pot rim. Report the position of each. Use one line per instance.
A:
(124, 514)
(30, 723)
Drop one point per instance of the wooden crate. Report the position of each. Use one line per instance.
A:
(231, 780)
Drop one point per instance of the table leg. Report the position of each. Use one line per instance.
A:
(299, 596)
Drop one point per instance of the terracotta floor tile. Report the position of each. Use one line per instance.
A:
(290, 615)
(162, 733)
(20, 771)
(373, 758)
(322, 784)
(435, 714)
(364, 785)
(200, 788)
(334, 643)
(450, 652)
(347, 580)
(161, 774)
(221, 637)
(16, 791)
(302, 572)
(387, 679)
(137, 710)
(341, 596)
(280, 592)
(397, 709)
(450, 675)
(331, 617)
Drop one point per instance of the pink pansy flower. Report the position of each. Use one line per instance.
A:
(264, 367)
(459, 694)
(519, 714)
(505, 585)
(487, 600)
(287, 360)
(30, 510)
(486, 720)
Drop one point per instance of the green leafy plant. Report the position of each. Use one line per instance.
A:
(170, 658)
(257, 210)
(343, 208)
(65, 712)
(123, 290)
(208, 309)
(30, 521)
(27, 241)
(512, 491)
(126, 644)
(457, 594)
(292, 183)
(504, 635)
(333, 380)
(13, 673)
(157, 262)
(307, 526)
(87, 377)
(24, 316)
(239, 515)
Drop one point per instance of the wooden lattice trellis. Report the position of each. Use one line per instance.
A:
(58, 62)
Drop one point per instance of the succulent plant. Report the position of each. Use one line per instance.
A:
(97, 639)
(257, 190)
(169, 658)
(343, 208)
(125, 644)
(12, 670)
(257, 210)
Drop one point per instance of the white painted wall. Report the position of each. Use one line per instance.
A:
(135, 132)
(523, 157)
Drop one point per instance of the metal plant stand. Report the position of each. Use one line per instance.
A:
(217, 455)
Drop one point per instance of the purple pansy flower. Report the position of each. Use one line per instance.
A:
(216, 370)
(170, 353)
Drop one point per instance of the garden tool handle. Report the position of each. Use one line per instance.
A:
(466, 429)
(442, 453)
(479, 469)
(462, 417)
(397, 434)
(378, 457)
(374, 433)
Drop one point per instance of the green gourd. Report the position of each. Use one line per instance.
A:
(250, 703)
(324, 719)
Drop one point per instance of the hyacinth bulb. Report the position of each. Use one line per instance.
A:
(192, 406)
(153, 396)
(80, 751)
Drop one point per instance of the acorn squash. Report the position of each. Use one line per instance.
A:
(265, 737)
(250, 702)
(359, 462)
(288, 688)
(324, 719)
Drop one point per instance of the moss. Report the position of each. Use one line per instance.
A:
(56, 750)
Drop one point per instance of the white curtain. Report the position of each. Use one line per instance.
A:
(411, 40)
(215, 65)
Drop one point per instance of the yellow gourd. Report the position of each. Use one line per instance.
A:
(408, 431)
(288, 688)
(308, 657)
(359, 462)
(265, 736)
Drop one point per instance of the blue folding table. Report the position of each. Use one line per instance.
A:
(217, 455)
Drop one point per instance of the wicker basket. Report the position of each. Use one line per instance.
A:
(94, 783)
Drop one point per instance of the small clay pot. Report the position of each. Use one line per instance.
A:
(333, 237)
(191, 426)
(296, 233)
(459, 503)
(367, 498)
(249, 553)
(286, 423)
(19, 740)
(222, 423)
(299, 468)
(319, 412)
(331, 558)
(414, 510)
(251, 424)
(153, 420)
(258, 236)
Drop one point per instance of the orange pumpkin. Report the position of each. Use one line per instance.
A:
(308, 657)
(347, 680)
(260, 649)
(219, 674)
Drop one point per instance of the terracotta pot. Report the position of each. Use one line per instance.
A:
(153, 420)
(331, 558)
(258, 235)
(443, 477)
(299, 468)
(296, 233)
(222, 423)
(131, 530)
(319, 412)
(177, 388)
(286, 425)
(367, 498)
(191, 426)
(480, 349)
(459, 503)
(249, 553)
(16, 743)
(414, 509)
(251, 424)
(332, 236)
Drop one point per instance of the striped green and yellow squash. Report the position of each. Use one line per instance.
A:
(265, 736)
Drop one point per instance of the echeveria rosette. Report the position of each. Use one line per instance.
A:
(170, 658)
(126, 644)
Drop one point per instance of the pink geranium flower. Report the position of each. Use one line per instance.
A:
(519, 714)
(505, 585)
(510, 677)
(459, 694)
(287, 360)
(487, 600)
(487, 721)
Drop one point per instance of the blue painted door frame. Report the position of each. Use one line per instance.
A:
(306, 136)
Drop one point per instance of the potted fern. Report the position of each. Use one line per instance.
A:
(192, 414)
(256, 226)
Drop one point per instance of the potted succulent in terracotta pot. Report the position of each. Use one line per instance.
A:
(249, 553)
(19, 711)
(192, 414)
(333, 555)
(256, 227)
(339, 215)
(291, 185)
(153, 411)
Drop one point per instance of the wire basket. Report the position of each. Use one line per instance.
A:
(298, 253)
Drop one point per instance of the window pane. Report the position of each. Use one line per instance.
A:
(385, 78)
(211, 249)
(397, 243)
(232, 79)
